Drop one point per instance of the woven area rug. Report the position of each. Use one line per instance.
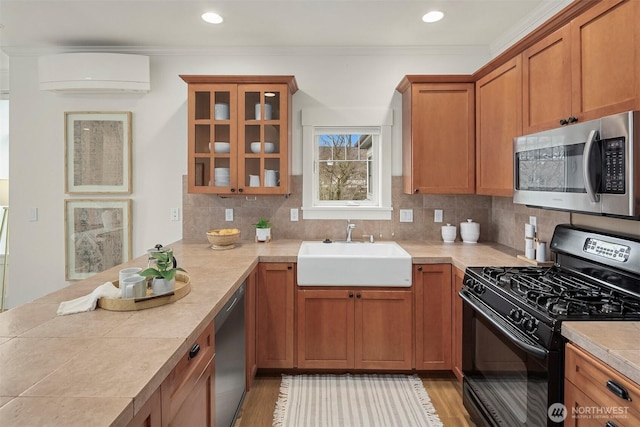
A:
(354, 401)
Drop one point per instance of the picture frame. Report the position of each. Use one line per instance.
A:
(98, 152)
(97, 235)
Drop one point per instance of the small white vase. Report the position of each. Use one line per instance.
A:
(162, 286)
(263, 234)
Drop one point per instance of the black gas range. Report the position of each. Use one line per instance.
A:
(513, 351)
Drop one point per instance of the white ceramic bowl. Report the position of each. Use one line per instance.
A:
(221, 147)
(268, 147)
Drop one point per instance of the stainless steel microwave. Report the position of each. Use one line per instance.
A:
(591, 167)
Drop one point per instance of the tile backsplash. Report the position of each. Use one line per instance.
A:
(500, 220)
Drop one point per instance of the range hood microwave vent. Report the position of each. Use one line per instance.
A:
(94, 73)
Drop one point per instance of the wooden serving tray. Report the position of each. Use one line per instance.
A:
(183, 287)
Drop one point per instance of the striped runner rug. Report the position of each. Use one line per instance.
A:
(354, 401)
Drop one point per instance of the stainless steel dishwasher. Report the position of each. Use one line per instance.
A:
(230, 359)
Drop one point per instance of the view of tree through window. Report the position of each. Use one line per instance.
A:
(344, 166)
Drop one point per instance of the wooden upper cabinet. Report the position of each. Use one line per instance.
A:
(438, 137)
(546, 82)
(498, 121)
(605, 57)
(585, 70)
(239, 130)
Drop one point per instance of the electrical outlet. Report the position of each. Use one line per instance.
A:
(175, 214)
(437, 215)
(294, 214)
(32, 214)
(406, 215)
(228, 214)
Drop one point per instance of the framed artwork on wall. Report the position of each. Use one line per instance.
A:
(97, 152)
(97, 235)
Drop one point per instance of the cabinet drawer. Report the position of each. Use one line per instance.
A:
(180, 382)
(592, 377)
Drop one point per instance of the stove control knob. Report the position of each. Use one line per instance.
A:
(530, 324)
(516, 315)
(479, 288)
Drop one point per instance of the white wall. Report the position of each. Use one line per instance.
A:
(337, 78)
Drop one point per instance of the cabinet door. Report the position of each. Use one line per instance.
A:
(150, 415)
(325, 328)
(186, 385)
(456, 315)
(432, 290)
(546, 82)
(275, 315)
(250, 327)
(498, 121)
(198, 409)
(606, 58)
(212, 118)
(439, 138)
(577, 402)
(383, 329)
(263, 135)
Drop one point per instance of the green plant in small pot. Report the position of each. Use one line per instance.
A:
(164, 273)
(263, 230)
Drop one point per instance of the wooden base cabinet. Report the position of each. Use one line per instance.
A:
(150, 415)
(456, 322)
(596, 394)
(250, 327)
(432, 291)
(188, 391)
(275, 315)
(356, 328)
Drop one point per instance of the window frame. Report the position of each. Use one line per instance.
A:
(316, 121)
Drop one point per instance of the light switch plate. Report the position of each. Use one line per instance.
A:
(437, 215)
(406, 215)
(228, 214)
(32, 213)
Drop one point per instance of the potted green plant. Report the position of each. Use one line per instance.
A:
(263, 230)
(164, 273)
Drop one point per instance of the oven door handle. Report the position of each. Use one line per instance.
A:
(540, 352)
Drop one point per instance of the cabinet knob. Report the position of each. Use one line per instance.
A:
(233, 190)
(358, 295)
(240, 190)
(573, 119)
(563, 122)
(289, 267)
(416, 190)
(350, 294)
(419, 268)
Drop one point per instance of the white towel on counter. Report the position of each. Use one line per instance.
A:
(89, 302)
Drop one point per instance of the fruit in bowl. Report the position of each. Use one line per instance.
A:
(223, 238)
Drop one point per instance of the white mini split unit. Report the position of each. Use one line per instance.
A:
(94, 72)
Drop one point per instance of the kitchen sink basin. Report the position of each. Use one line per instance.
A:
(353, 264)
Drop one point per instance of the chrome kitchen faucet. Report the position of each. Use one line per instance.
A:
(350, 228)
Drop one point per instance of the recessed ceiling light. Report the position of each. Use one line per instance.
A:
(433, 16)
(212, 18)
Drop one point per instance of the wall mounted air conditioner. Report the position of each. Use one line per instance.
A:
(94, 72)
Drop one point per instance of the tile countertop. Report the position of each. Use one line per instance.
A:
(614, 343)
(100, 367)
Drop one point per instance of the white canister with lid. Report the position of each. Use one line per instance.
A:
(469, 231)
(449, 233)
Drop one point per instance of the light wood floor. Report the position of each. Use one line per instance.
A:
(445, 393)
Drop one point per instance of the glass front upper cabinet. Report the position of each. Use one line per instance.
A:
(239, 134)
